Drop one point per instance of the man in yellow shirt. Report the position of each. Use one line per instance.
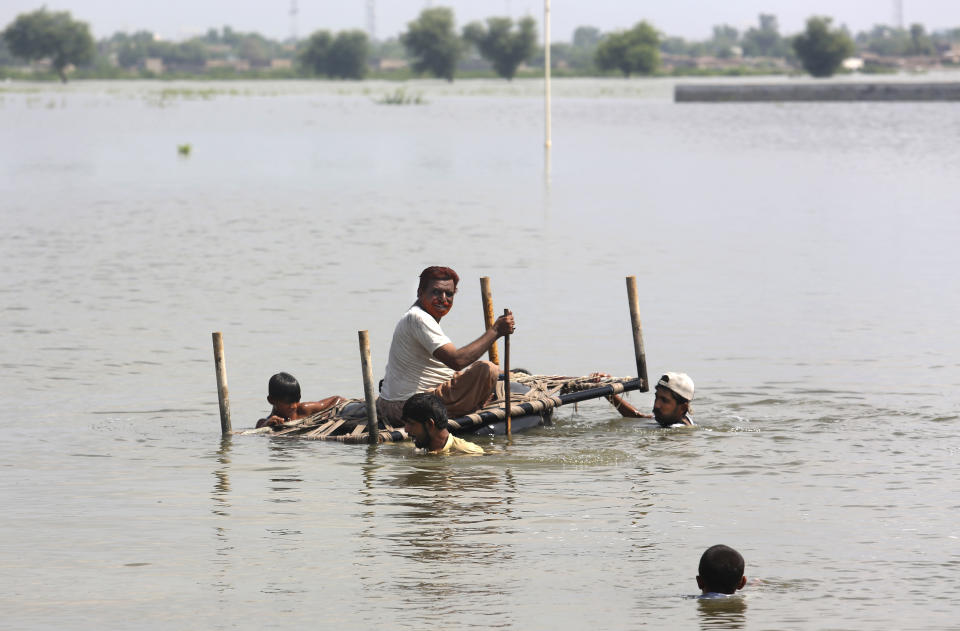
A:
(425, 420)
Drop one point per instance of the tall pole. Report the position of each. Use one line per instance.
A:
(369, 394)
(506, 376)
(639, 353)
(546, 74)
(487, 299)
(372, 19)
(223, 394)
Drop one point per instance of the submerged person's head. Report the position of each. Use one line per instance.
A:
(438, 285)
(424, 416)
(721, 570)
(671, 404)
(283, 392)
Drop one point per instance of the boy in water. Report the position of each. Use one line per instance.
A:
(284, 395)
(721, 571)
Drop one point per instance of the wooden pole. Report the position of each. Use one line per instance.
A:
(506, 374)
(368, 390)
(223, 393)
(487, 298)
(638, 351)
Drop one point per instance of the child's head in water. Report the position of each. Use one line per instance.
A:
(721, 570)
(283, 393)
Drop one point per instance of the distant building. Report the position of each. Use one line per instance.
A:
(281, 64)
(153, 64)
(391, 64)
(952, 55)
(852, 63)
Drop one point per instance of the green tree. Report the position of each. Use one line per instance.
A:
(821, 49)
(725, 39)
(432, 43)
(43, 34)
(347, 57)
(633, 51)
(764, 41)
(920, 42)
(587, 37)
(253, 49)
(885, 41)
(6, 57)
(501, 45)
(315, 52)
(188, 55)
(343, 56)
(132, 49)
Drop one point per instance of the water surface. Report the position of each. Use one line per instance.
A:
(798, 260)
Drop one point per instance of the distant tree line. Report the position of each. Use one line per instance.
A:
(432, 45)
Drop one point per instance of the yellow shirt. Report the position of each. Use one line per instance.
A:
(456, 445)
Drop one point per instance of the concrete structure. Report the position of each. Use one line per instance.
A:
(817, 91)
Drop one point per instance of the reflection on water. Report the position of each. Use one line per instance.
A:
(438, 504)
(221, 510)
(722, 613)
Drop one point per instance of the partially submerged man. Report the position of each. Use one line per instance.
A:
(423, 359)
(425, 420)
(671, 406)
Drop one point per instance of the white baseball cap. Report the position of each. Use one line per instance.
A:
(679, 383)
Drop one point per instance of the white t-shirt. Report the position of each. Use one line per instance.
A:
(411, 366)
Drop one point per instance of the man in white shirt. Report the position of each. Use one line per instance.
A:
(423, 359)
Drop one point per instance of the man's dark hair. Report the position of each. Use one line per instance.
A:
(437, 273)
(676, 397)
(284, 388)
(721, 569)
(424, 406)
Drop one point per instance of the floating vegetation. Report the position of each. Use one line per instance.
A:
(184, 149)
(401, 97)
(189, 93)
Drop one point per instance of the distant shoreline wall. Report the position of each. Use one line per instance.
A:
(718, 93)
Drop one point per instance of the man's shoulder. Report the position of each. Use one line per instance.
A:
(416, 315)
(463, 446)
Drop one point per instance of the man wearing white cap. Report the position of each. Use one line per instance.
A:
(671, 406)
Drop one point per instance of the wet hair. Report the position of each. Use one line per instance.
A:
(284, 387)
(437, 273)
(424, 406)
(721, 569)
(676, 397)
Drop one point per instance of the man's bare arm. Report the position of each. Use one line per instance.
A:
(626, 410)
(460, 358)
(309, 408)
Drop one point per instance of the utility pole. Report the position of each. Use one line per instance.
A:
(898, 14)
(293, 20)
(372, 19)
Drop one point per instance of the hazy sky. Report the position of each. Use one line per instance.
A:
(691, 19)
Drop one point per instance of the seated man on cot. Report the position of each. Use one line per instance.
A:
(283, 393)
(425, 420)
(671, 406)
(423, 359)
(720, 572)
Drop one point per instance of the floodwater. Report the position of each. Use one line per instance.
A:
(798, 260)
